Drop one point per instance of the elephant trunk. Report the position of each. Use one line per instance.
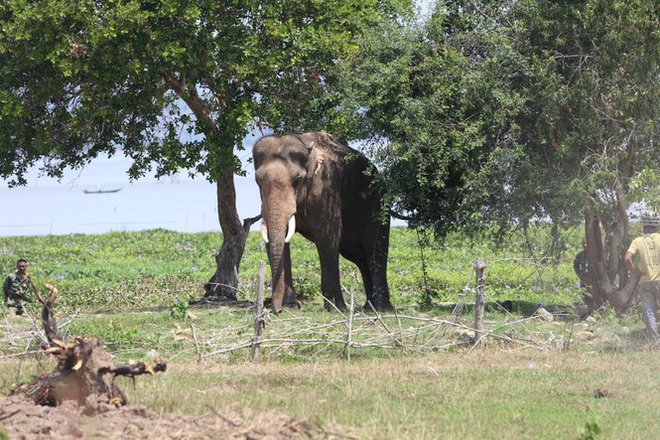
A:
(277, 234)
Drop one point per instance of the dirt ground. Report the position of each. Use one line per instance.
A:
(22, 419)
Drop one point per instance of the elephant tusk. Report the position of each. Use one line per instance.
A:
(291, 230)
(264, 232)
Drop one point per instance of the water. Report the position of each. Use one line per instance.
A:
(180, 203)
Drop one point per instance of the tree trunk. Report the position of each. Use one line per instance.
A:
(606, 259)
(221, 133)
(224, 283)
(594, 296)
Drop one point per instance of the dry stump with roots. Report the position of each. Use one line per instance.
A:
(85, 373)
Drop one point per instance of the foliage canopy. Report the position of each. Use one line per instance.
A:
(505, 113)
(173, 83)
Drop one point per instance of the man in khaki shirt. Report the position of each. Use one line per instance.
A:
(643, 260)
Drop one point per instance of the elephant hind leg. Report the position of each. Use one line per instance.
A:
(330, 283)
(375, 286)
(331, 306)
(380, 294)
(381, 301)
(367, 282)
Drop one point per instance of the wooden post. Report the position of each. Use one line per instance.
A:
(349, 333)
(259, 312)
(479, 304)
(194, 336)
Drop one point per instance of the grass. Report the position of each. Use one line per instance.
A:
(152, 268)
(492, 394)
(535, 379)
(504, 391)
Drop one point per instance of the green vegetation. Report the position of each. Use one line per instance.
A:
(497, 114)
(508, 113)
(124, 270)
(174, 85)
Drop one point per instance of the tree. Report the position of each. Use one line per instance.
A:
(598, 124)
(175, 84)
(502, 114)
(443, 97)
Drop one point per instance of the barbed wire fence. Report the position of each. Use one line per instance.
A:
(356, 328)
(343, 333)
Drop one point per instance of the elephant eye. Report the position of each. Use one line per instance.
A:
(297, 180)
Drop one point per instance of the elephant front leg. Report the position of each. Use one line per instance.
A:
(330, 285)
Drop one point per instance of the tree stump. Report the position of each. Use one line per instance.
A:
(85, 372)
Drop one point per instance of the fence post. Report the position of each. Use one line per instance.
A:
(349, 333)
(259, 312)
(479, 304)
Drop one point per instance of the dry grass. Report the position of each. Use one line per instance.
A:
(498, 393)
(559, 379)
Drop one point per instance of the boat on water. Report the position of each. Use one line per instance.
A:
(101, 191)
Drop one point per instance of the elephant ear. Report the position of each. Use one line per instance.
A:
(316, 155)
(309, 139)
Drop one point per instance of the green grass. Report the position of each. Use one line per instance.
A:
(492, 394)
(402, 377)
(150, 269)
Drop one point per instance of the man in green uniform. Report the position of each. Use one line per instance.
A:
(16, 287)
(647, 266)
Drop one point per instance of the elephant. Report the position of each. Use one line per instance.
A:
(328, 192)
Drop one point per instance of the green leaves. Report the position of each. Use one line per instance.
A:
(506, 114)
(94, 76)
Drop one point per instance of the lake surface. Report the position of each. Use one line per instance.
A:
(180, 203)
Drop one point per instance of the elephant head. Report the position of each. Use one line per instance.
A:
(284, 166)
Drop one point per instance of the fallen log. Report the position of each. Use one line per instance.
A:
(85, 372)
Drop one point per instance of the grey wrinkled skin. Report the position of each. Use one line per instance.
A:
(330, 190)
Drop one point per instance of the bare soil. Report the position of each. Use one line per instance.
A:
(22, 419)
(80, 400)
